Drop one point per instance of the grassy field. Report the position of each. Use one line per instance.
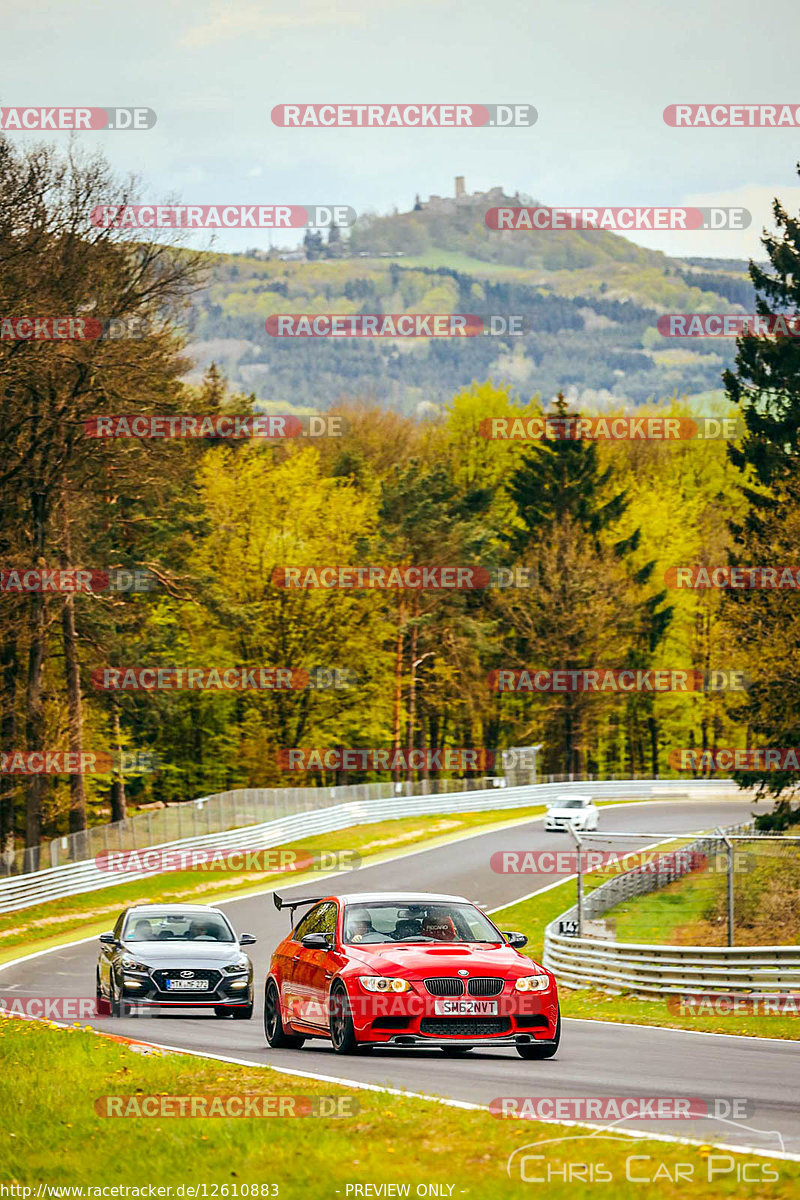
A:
(51, 1133)
(693, 911)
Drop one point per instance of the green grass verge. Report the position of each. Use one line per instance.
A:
(51, 1133)
(659, 916)
(693, 910)
(532, 915)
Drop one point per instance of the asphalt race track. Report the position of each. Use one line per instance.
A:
(595, 1059)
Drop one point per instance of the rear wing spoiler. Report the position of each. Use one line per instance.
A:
(293, 904)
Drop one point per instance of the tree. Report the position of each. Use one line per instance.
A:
(591, 601)
(335, 246)
(52, 264)
(425, 519)
(313, 245)
(766, 386)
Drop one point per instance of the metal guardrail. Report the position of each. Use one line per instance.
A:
(648, 969)
(23, 891)
(249, 806)
(211, 814)
(664, 869)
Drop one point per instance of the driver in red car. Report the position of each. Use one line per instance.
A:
(359, 926)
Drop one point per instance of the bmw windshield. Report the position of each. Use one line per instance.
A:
(439, 922)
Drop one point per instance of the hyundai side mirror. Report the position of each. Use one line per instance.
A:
(317, 941)
(108, 939)
(518, 940)
(247, 939)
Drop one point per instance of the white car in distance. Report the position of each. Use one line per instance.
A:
(580, 812)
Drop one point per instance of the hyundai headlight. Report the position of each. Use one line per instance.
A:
(237, 966)
(133, 964)
(532, 983)
(384, 983)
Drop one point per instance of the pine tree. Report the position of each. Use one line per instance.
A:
(766, 386)
(591, 603)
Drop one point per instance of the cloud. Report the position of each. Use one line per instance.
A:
(743, 243)
(225, 21)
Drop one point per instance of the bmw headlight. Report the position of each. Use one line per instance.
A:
(383, 983)
(237, 966)
(532, 983)
(133, 964)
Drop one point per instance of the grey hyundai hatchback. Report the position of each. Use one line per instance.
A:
(169, 956)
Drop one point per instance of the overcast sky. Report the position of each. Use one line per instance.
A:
(599, 75)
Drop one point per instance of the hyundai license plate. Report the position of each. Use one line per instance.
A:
(187, 985)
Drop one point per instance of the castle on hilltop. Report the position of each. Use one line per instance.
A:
(443, 204)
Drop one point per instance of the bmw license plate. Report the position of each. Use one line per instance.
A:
(465, 1008)
(187, 985)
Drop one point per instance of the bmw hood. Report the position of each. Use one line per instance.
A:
(420, 960)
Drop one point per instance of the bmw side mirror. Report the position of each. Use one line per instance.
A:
(108, 939)
(247, 939)
(317, 941)
(518, 940)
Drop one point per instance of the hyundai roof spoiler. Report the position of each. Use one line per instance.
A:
(293, 904)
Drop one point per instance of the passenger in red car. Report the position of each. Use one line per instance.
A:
(440, 928)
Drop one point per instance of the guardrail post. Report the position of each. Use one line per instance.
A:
(729, 845)
(579, 876)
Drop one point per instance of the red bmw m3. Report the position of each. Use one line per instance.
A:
(406, 969)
